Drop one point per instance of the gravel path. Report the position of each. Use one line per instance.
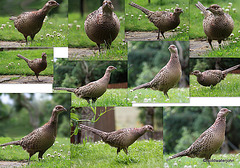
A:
(18, 79)
(146, 36)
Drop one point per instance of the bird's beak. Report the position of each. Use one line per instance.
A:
(229, 111)
(64, 109)
(115, 67)
(191, 73)
(207, 9)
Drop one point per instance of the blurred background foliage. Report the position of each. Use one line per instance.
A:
(78, 73)
(183, 125)
(203, 64)
(22, 113)
(146, 59)
(14, 8)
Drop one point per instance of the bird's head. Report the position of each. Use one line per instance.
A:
(196, 73)
(111, 68)
(216, 9)
(52, 4)
(58, 109)
(223, 112)
(107, 6)
(44, 55)
(178, 10)
(148, 128)
(173, 49)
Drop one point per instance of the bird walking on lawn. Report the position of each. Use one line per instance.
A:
(168, 76)
(209, 141)
(217, 25)
(93, 90)
(41, 139)
(120, 139)
(163, 20)
(212, 77)
(37, 65)
(102, 26)
(30, 23)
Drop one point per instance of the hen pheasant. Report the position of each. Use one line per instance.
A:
(41, 139)
(30, 23)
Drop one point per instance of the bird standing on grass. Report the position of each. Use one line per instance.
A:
(30, 23)
(209, 141)
(41, 139)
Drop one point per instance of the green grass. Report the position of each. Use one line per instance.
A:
(198, 162)
(61, 147)
(112, 97)
(197, 32)
(12, 65)
(142, 154)
(176, 95)
(229, 87)
(53, 33)
(136, 20)
(77, 38)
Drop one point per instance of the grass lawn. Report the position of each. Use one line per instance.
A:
(136, 20)
(78, 38)
(142, 154)
(12, 65)
(198, 162)
(229, 87)
(197, 32)
(59, 154)
(177, 95)
(53, 33)
(112, 97)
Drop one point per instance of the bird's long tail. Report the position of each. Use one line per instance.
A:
(95, 131)
(13, 18)
(180, 154)
(145, 85)
(200, 6)
(20, 56)
(11, 143)
(231, 69)
(67, 89)
(144, 10)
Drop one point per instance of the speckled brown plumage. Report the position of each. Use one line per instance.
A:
(212, 77)
(92, 90)
(168, 76)
(209, 141)
(37, 65)
(120, 139)
(217, 25)
(163, 20)
(30, 23)
(41, 139)
(102, 25)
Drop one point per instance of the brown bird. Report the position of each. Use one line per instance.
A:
(120, 139)
(102, 25)
(163, 20)
(217, 25)
(30, 23)
(168, 76)
(41, 139)
(212, 77)
(37, 65)
(209, 141)
(92, 90)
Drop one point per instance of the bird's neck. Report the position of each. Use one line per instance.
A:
(107, 12)
(44, 58)
(141, 131)
(220, 123)
(44, 11)
(106, 77)
(54, 119)
(174, 58)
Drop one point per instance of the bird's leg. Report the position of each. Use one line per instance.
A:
(88, 101)
(94, 100)
(163, 34)
(30, 155)
(165, 93)
(219, 43)
(158, 34)
(40, 154)
(118, 150)
(125, 150)
(26, 39)
(37, 77)
(99, 48)
(210, 42)
(32, 37)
